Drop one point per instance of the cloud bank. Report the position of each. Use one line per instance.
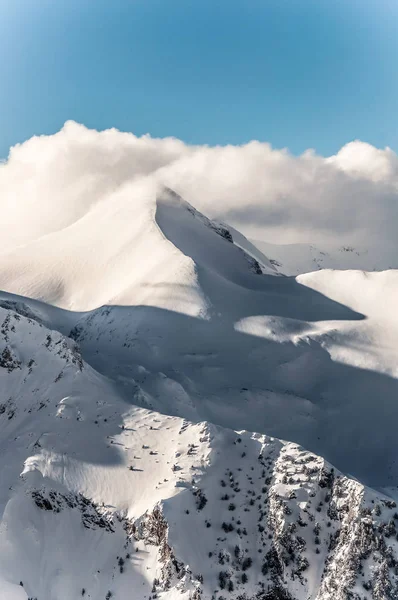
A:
(351, 198)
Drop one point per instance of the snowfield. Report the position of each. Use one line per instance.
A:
(152, 364)
(294, 259)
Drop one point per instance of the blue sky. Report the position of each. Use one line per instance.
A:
(296, 73)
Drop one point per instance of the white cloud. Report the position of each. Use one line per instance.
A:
(50, 181)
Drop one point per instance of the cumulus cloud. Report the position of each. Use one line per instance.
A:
(351, 198)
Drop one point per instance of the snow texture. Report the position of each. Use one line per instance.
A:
(142, 345)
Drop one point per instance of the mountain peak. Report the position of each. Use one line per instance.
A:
(153, 361)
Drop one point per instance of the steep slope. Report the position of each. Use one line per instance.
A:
(270, 354)
(202, 328)
(99, 497)
(112, 254)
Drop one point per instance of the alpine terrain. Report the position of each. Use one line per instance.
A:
(180, 417)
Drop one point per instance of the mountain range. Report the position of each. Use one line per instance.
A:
(188, 413)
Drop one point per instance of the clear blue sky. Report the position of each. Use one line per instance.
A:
(296, 73)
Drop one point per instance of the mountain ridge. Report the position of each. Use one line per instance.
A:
(265, 514)
(143, 448)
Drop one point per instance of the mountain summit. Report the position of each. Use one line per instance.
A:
(153, 363)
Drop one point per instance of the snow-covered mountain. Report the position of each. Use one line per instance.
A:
(294, 259)
(141, 347)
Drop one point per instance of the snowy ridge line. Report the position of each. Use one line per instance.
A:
(131, 379)
(233, 514)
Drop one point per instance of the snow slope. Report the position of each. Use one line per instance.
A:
(294, 259)
(155, 335)
(112, 254)
(99, 497)
(211, 332)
